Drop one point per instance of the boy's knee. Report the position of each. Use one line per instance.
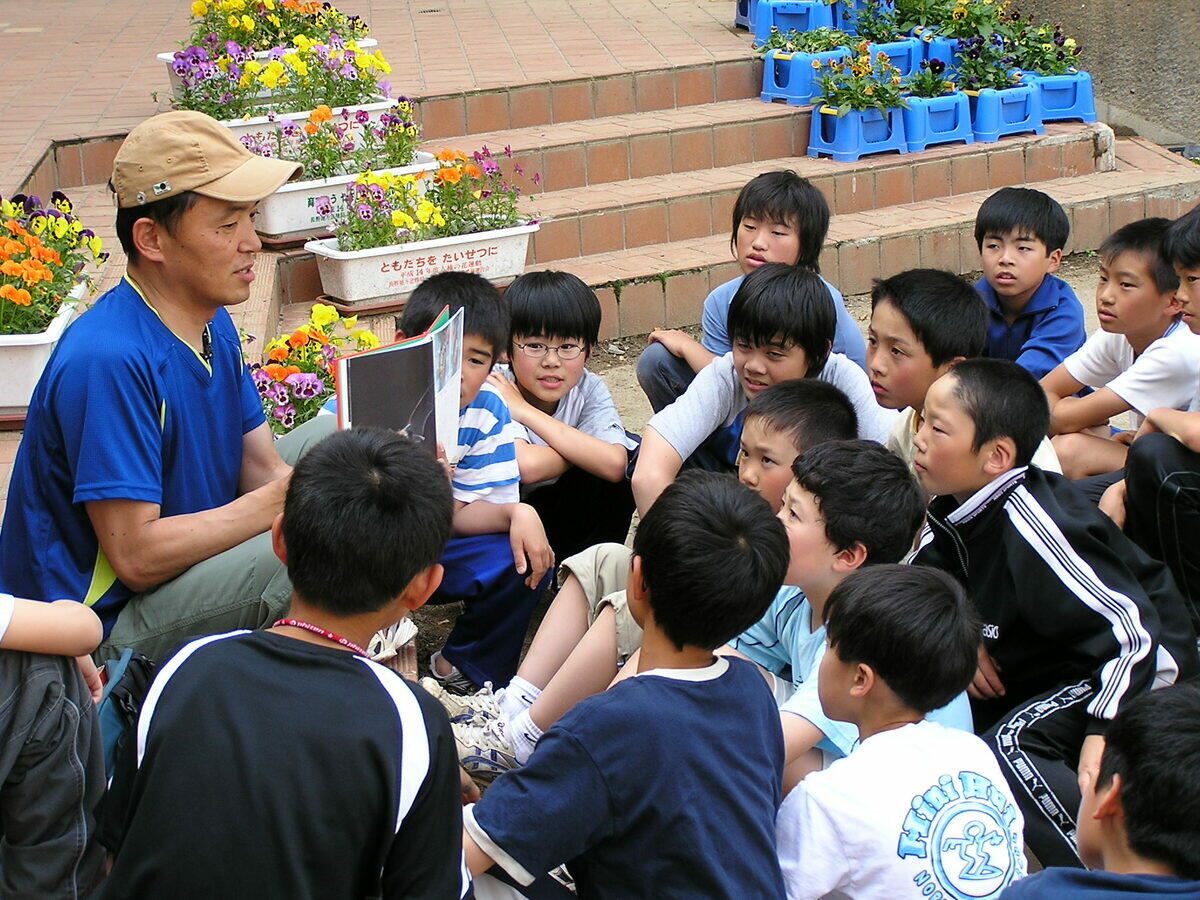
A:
(662, 376)
(1151, 458)
(1071, 450)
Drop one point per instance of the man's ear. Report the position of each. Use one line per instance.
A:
(864, 681)
(1055, 260)
(277, 543)
(1000, 455)
(1108, 799)
(851, 558)
(148, 238)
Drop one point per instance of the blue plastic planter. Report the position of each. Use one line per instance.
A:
(937, 120)
(904, 53)
(845, 13)
(1064, 96)
(791, 76)
(744, 14)
(1014, 110)
(786, 15)
(945, 49)
(848, 137)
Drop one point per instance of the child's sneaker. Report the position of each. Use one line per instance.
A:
(455, 682)
(484, 749)
(463, 708)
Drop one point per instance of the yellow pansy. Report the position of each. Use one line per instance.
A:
(233, 21)
(401, 219)
(366, 339)
(199, 8)
(268, 5)
(247, 23)
(438, 220)
(253, 66)
(323, 314)
(349, 322)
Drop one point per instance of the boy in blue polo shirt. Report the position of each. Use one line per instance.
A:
(1034, 318)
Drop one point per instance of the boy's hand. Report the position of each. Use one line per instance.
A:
(1112, 503)
(531, 550)
(986, 684)
(91, 676)
(1125, 437)
(517, 405)
(444, 462)
(469, 789)
(671, 338)
(1089, 761)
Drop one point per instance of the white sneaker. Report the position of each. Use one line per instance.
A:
(464, 707)
(484, 749)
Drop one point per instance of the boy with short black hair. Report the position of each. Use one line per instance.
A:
(1143, 357)
(918, 809)
(782, 323)
(1139, 823)
(779, 217)
(371, 779)
(923, 321)
(708, 556)
(1077, 619)
(1034, 317)
(573, 451)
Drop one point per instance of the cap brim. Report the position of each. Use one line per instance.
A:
(256, 178)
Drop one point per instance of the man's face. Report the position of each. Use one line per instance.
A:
(945, 461)
(209, 256)
(477, 359)
(1014, 264)
(765, 460)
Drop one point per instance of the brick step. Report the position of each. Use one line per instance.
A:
(618, 215)
(646, 287)
(637, 145)
(738, 76)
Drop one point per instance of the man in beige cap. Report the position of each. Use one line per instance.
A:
(147, 479)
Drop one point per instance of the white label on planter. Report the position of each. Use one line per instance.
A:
(409, 271)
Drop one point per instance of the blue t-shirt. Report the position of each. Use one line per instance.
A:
(1048, 330)
(1081, 884)
(636, 810)
(847, 339)
(125, 410)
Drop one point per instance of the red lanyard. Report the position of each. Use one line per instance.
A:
(328, 635)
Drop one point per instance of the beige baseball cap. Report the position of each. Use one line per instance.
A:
(182, 151)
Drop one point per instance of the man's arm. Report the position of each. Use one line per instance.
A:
(145, 550)
(261, 462)
(658, 464)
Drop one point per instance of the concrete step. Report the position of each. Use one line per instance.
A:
(646, 144)
(665, 284)
(619, 215)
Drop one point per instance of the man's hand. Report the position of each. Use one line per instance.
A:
(531, 550)
(518, 406)
(469, 789)
(91, 676)
(1112, 503)
(986, 684)
(1089, 761)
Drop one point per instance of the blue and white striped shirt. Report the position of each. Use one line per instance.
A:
(487, 460)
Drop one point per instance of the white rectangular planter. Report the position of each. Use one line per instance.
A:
(291, 211)
(256, 124)
(261, 55)
(359, 276)
(24, 356)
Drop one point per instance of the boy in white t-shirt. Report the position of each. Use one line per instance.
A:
(917, 810)
(1144, 358)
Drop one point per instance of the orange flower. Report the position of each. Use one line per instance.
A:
(290, 370)
(11, 269)
(310, 128)
(451, 175)
(298, 339)
(472, 170)
(447, 155)
(321, 114)
(14, 227)
(318, 335)
(19, 296)
(279, 354)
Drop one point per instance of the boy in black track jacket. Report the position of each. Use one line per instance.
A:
(1077, 619)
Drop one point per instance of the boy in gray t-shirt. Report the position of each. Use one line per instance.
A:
(781, 323)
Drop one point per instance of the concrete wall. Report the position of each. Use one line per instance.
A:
(1144, 56)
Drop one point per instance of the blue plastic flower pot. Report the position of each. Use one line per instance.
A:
(791, 76)
(1014, 110)
(1064, 96)
(786, 15)
(904, 53)
(937, 120)
(943, 49)
(845, 13)
(744, 14)
(846, 138)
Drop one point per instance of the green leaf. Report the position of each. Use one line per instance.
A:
(843, 109)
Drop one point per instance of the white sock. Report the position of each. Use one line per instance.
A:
(517, 697)
(524, 736)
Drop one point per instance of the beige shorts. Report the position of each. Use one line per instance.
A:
(603, 573)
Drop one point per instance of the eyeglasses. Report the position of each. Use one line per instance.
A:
(537, 350)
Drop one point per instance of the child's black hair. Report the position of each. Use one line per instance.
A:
(808, 411)
(713, 558)
(913, 625)
(1154, 745)
(1002, 400)
(485, 314)
(944, 311)
(1011, 209)
(555, 305)
(852, 482)
(783, 196)
(1145, 237)
(1181, 246)
(366, 510)
(787, 305)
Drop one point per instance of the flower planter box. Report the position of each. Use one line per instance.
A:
(23, 357)
(944, 49)
(791, 76)
(848, 137)
(1014, 110)
(1064, 97)
(937, 120)
(905, 54)
(261, 56)
(845, 13)
(801, 15)
(261, 124)
(745, 14)
(290, 213)
(370, 276)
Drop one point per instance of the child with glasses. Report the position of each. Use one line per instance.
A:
(573, 450)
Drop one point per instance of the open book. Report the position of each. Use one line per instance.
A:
(411, 386)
